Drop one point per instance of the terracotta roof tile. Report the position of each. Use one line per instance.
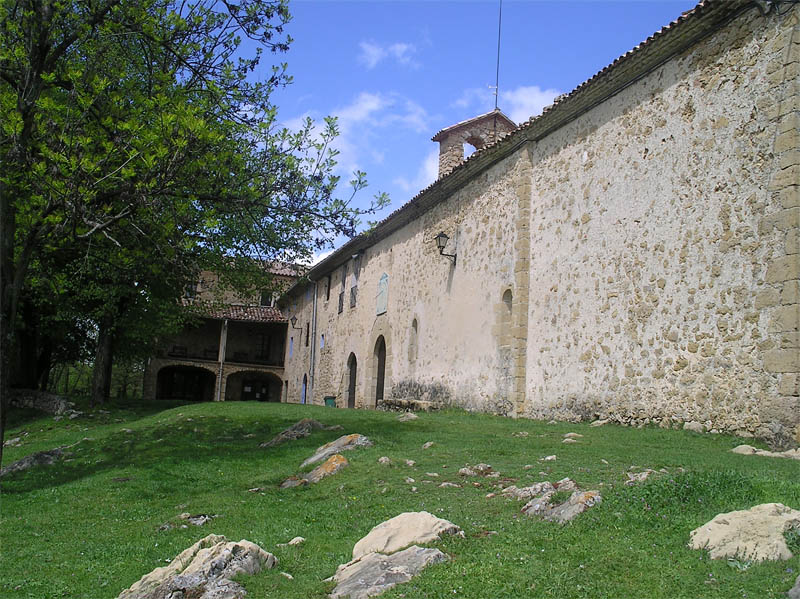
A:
(237, 312)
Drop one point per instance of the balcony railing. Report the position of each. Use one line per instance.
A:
(212, 354)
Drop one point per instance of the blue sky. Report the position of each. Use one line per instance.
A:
(396, 72)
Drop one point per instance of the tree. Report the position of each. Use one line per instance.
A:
(132, 131)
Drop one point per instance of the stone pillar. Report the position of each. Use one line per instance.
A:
(451, 154)
(223, 341)
(522, 253)
(779, 300)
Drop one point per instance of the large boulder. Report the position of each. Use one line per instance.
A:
(401, 531)
(300, 429)
(375, 573)
(755, 534)
(343, 443)
(203, 571)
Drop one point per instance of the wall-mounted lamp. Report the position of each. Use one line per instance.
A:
(441, 242)
(293, 320)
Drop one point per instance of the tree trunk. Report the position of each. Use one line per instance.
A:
(103, 361)
(45, 364)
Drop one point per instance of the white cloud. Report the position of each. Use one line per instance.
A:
(428, 173)
(526, 101)
(483, 98)
(320, 257)
(361, 122)
(373, 53)
(519, 104)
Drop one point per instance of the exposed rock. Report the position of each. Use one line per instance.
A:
(40, 458)
(403, 530)
(201, 519)
(549, 458)
(526, 493)
(343, 443)
(287, 576)
(331, 466)
(427, 445)
(375, 573)
(297, 541)
(301, 428)
(203, 571)
(569, 440)
(572, 436)
(520, 434)
(794, 592)
(693, 426)
(15, 442)
(407, 417)
(447, 485)
(566, 484)
(755, 534)
(793, 454)
(410, 480)
(579, 502)
(410, 463)
(599, 422)
(384, 460)
(476, 470)
(638, 477)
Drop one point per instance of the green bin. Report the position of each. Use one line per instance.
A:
(330, 401)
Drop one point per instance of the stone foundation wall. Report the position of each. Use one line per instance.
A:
(40, 400)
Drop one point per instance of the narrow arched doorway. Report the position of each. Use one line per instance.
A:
(380, 369)
(352, 368)
(304, 389)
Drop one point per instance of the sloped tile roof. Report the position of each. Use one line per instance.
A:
(238, 312)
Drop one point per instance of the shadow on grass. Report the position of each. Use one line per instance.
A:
(180, 445)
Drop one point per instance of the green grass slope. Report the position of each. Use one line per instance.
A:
(90, 526)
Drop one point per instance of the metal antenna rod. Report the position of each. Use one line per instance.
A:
(497, 73)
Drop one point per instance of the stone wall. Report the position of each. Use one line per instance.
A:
(40, 400)
(663, 283)
(436, 349)
(638, 263)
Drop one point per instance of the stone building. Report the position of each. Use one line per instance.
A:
(235, 352)
(630, 254)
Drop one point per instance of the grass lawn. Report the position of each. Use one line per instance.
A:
(91, 526)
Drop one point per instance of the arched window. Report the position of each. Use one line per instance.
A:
(382, 299)
(412, 341)
(352, 367)
(380, 369)
(505, 318)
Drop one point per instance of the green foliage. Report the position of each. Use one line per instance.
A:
(793, 539)
(137, 149)
(141, 465)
